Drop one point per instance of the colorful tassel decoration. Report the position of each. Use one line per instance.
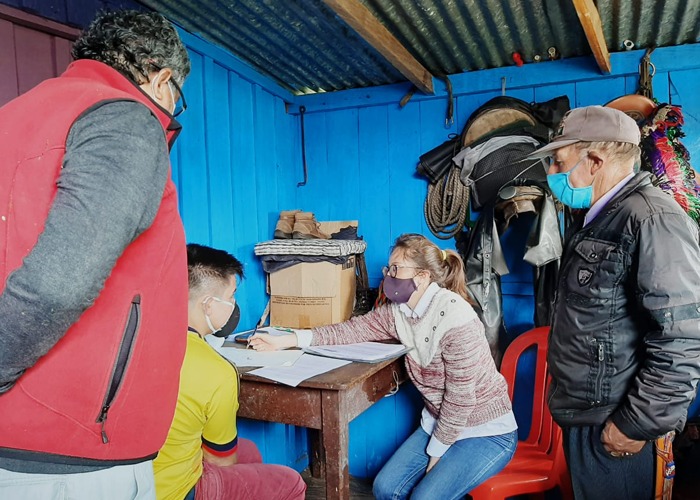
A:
(668, 160)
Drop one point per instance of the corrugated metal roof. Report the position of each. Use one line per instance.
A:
(306, 47)
(301, 44)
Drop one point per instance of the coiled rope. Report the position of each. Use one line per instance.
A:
(447, 205)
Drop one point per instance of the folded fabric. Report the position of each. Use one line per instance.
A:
(328, 248)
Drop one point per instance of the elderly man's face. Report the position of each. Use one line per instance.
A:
(571, 159)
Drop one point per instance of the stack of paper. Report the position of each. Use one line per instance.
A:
(305, 367)
(250, 357)
(366, 352)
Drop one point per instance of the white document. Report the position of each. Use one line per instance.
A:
(250, 357)
(216, 342)
(307, 366)
(367, 352)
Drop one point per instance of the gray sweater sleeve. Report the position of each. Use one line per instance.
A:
(109, 190)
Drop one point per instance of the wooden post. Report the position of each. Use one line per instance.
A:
(375, 33)
(592, 27)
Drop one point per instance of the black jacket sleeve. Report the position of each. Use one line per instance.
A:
(114, 173)
(668, 291)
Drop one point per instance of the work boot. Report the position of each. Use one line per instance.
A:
(306, 227)
(285, 224)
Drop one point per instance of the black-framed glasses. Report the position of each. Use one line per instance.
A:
(393, 269)
(181, 103)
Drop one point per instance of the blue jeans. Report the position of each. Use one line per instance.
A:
(465, 465)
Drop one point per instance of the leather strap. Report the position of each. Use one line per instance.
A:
(665, 467)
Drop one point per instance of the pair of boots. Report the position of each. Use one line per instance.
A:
(298, 225)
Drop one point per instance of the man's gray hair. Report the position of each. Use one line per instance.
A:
(618, 152)
(135, 44)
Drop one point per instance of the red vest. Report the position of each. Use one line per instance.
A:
(74, 402)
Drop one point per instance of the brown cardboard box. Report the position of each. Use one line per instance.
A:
(312, 294)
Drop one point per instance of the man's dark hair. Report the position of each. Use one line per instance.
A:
(135, 44)
(208, 267)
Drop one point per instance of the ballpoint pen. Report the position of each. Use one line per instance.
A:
(251, 336)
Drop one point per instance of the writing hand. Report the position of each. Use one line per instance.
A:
(266, 342)
(617, 443)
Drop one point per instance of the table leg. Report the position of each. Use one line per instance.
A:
(318, 459)
(334, 435)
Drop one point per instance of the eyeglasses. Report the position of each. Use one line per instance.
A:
(394, 268)
(181, 104)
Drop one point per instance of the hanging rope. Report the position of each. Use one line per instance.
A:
(447, 205)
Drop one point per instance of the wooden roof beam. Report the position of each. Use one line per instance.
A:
(590, 20)
(375, 33)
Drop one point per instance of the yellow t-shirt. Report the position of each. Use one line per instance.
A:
(205, 415)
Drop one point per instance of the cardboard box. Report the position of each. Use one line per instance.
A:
(312, 294)
(330, 227)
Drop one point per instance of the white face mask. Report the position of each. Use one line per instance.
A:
(206, 316)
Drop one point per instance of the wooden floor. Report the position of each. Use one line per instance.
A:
(360, 489)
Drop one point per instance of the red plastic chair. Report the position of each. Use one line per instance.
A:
(538, 464)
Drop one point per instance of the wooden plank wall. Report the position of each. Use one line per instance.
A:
(76, 13)
(31, 50)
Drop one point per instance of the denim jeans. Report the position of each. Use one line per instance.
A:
(597, 474)
(465, 465)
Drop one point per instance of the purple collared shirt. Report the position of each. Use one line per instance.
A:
(598, 206)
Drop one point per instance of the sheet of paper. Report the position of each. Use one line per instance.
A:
(251, 357)
(363, 351)
(307, 366)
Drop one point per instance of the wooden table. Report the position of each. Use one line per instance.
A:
(325, 404)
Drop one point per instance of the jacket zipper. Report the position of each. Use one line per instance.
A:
(599, 375)
(121, 362)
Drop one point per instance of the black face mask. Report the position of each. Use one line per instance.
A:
(231, 324)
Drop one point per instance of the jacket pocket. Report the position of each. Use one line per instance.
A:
(599, 354)
(595, 270)
(120, 363)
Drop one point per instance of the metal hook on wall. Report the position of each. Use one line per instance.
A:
(302, 110)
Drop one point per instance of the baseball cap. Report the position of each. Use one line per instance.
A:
(591, 124)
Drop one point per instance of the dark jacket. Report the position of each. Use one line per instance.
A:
(93, 283)
(625, 339)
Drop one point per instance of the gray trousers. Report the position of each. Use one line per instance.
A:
(132, 482)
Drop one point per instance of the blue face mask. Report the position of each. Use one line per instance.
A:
(570, 196)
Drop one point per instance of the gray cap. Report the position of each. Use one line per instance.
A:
(591, 124)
